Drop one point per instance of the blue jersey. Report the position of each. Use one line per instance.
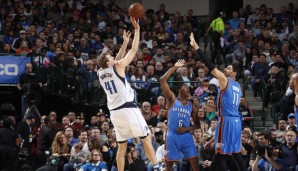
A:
(228, 128)
(228, 101)
(179, 115)
(94, 167)
(179, 146)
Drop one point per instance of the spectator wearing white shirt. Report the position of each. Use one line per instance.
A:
(161, 155)
(211, 130)
(253, 17)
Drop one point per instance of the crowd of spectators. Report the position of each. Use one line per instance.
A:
(63, 40)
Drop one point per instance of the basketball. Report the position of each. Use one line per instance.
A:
(136, 10)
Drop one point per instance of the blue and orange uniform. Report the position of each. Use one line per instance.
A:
(228, 129)
(179, 146)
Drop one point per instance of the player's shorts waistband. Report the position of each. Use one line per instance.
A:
(126, 105)
(228, 116)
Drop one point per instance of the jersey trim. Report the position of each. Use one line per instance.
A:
(121, 78)
(187, 102)
(126, 105)
(189, 158)
(226, 86)
(171, 106)
(230, 154)
(220, 129)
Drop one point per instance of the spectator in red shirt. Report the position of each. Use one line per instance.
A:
(160, 103)
(57, 125)
(73, 124)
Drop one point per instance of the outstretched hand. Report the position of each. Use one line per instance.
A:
(193, 42)
(126, 35)
(180, 63)
(134, 23)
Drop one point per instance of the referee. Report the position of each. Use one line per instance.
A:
(218, 28)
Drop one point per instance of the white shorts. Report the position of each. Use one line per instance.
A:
(129, 123)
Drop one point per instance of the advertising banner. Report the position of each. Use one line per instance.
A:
(11, 67)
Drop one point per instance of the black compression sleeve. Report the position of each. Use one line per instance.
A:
(205, 60)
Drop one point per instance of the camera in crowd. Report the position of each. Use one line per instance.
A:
(262, 150)
(31, 88)
(128, 150)
(23, 157)
(5, 121)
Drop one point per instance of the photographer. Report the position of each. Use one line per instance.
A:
(8, 143)
(263, 140)
(30, 87)
(24, 133)
(267, 159)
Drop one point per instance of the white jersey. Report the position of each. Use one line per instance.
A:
(117, 88)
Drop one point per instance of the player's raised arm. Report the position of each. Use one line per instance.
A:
(126, 37)
(223, 81)
(135, 45)
(296, 115)
(294, 87)
(194, 114)
(169, 95)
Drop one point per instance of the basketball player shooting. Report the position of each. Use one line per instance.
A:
(125, 115)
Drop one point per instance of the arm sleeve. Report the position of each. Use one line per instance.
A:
(205, 60)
